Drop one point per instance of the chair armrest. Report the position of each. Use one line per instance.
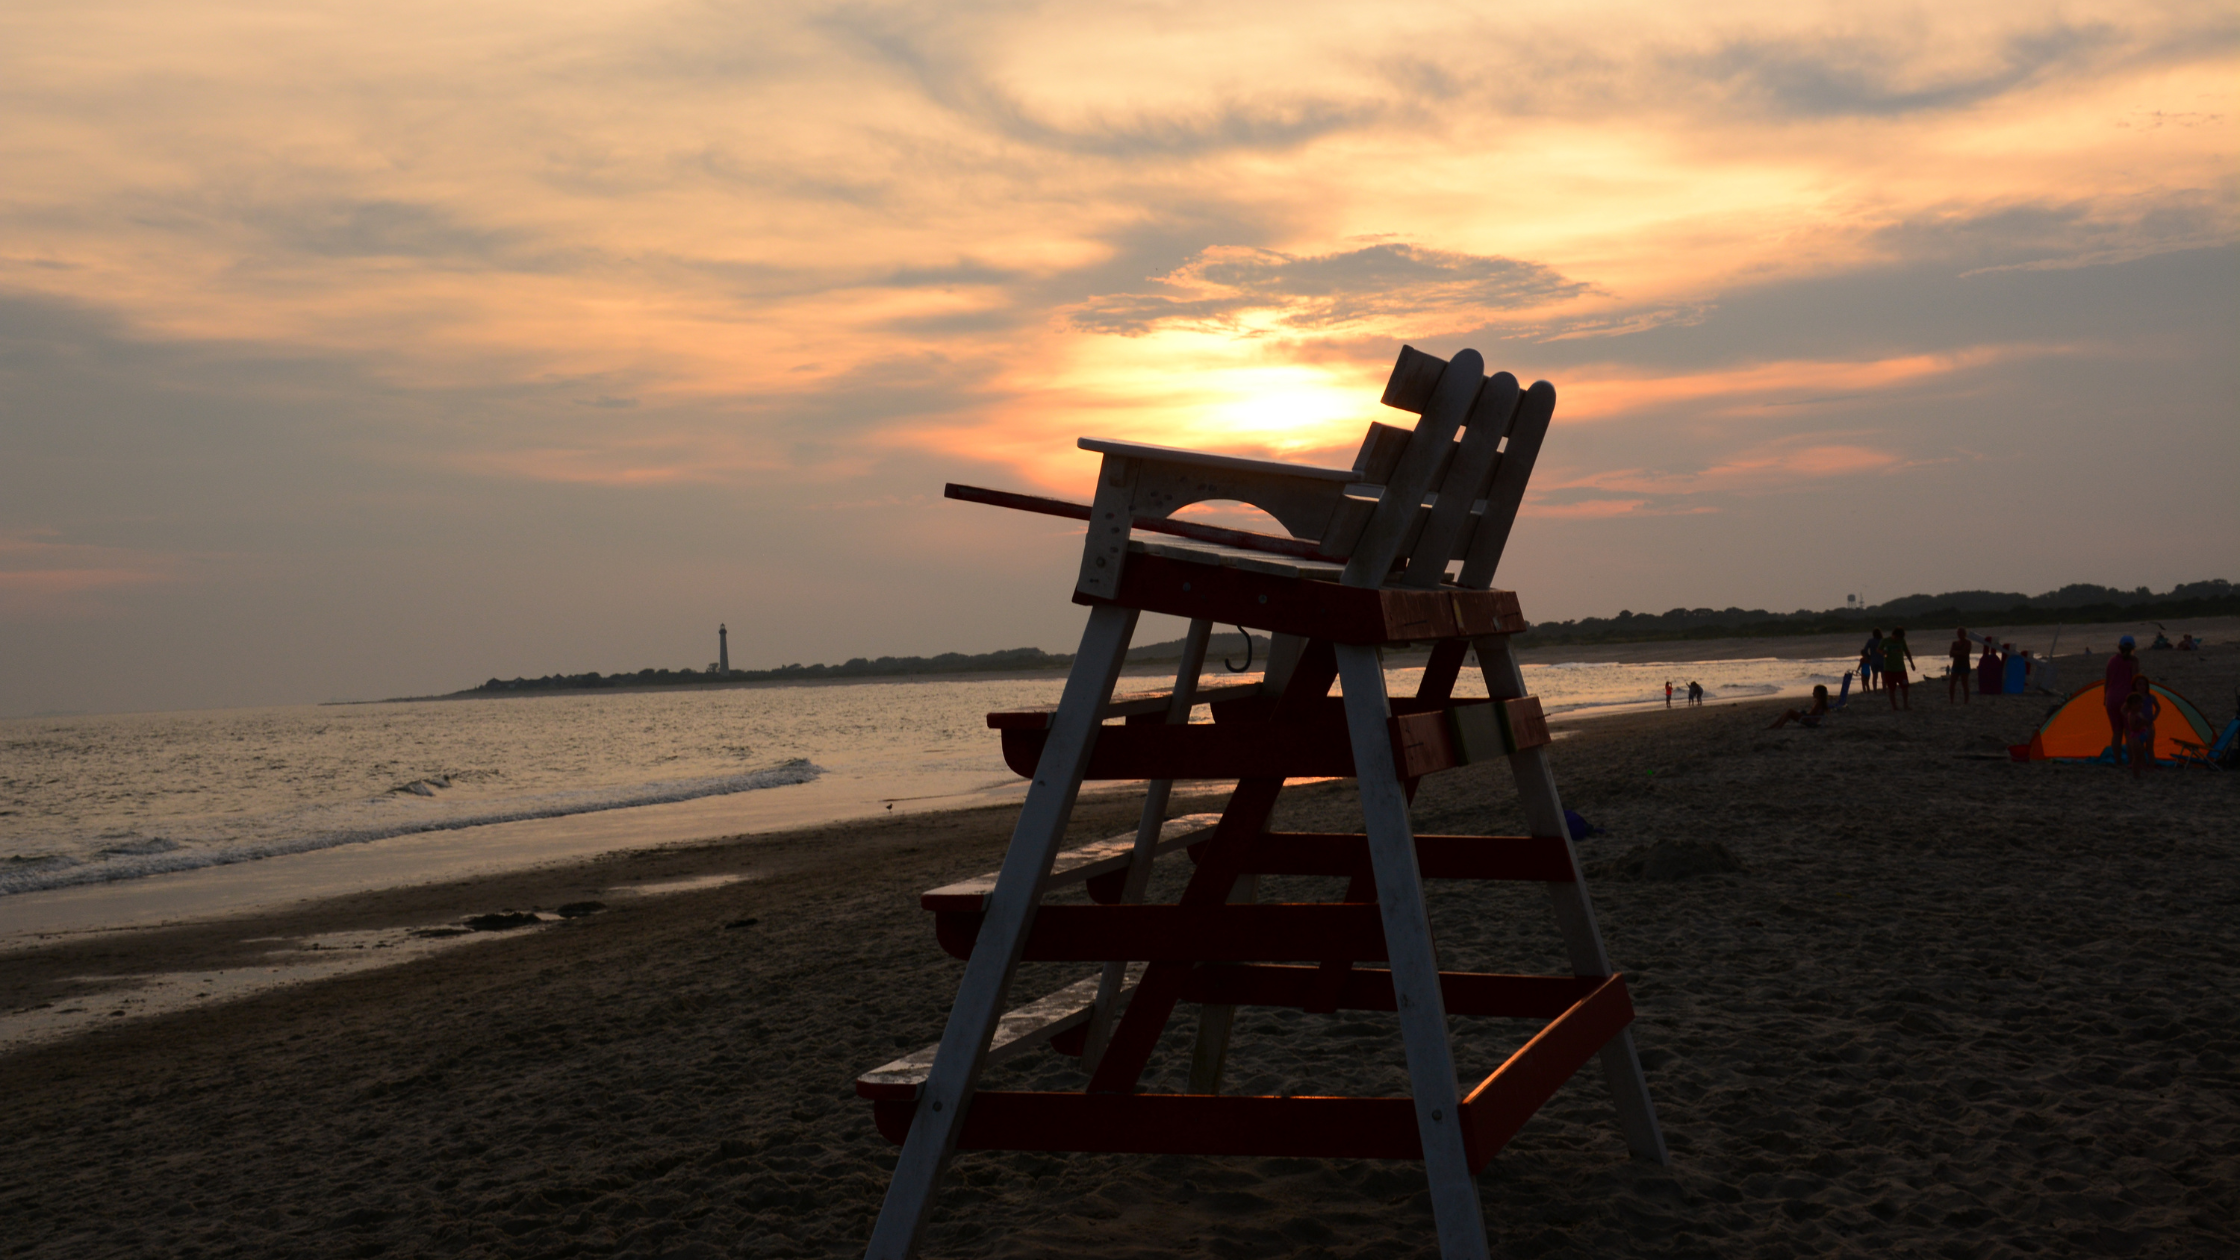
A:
(1204, 459)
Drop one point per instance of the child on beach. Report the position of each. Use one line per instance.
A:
(1805, 717)
(2140, 709)
(1896, 656)
(1870, 660)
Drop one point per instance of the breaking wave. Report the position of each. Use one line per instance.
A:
(401, 812)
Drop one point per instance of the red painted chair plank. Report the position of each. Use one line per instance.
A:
(1496, 1109)
(1542, 859)
(1179, 1124)
(1306, 1127)
(1324, 610)
(1172, 933)
(1466, 993)
(1423, 743)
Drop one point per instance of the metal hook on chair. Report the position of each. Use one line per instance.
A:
(1231, 666)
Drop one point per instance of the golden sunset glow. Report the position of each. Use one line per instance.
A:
(789, 258)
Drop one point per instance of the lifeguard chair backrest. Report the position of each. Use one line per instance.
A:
(1475, 484)
(1374, 516)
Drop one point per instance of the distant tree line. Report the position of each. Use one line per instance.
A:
(1011, 659)
(2080, 604)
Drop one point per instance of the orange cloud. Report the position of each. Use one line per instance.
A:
(1603, 393)
(40, 575)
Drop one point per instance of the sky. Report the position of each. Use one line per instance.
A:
(350, 351)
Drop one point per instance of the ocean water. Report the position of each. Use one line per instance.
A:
(93, 799)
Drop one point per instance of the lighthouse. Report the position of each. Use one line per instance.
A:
(723, 650)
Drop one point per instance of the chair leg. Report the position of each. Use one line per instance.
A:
(1211, 1049)
(1155, 797)
(1414, 961)
(1582, 937)
(1011, 906)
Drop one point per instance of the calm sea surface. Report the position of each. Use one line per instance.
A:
(92, 799)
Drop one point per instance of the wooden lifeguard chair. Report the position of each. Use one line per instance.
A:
(1366, 565)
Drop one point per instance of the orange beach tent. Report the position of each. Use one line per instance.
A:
(2079, 729)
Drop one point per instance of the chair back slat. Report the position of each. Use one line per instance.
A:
(1526, 430)
(1469, 467)
(1395, 517)
(1414, 376)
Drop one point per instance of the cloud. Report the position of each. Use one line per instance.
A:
(1383, 287)
(40, 575)
(2047, 236)
(949, 64)
(1813, 78)
(1778, 466)
(382, 229)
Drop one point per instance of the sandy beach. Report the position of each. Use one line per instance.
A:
(1948, 1005)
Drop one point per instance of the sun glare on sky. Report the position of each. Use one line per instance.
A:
(657, 275)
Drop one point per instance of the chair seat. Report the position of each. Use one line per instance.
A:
(1235, 558)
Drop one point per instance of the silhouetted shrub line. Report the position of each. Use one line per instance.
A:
(2076, 605)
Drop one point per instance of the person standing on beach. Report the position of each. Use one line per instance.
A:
(1668, 693)
(1990, 671)
(2122, 668)
(1895, 657)
(1870, 660)
(1956, 678)
(2140, 709)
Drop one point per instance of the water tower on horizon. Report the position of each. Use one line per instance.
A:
(723, 649)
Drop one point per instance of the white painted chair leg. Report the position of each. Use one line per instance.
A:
(1574, 911)
(1414, 961)
(1035, 840)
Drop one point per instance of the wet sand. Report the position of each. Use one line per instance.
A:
(1949, 1005)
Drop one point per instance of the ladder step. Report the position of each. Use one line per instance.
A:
(1108, 856)
(1543, 859)
(1423, 743)
(1019, 1031)
(1308, 1127)
(1232, 933)
(1136, 704)
(1370, 989)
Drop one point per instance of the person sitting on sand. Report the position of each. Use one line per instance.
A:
(2189, 644)
(1806, 717)
(1896, 656)
(2122, 668)
(1956, 678)
(2140, 709)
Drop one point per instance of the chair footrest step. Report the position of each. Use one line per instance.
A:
(1545, 859)
(1310, 1127)
(1105, 858)
(1139, 705)
(1017, 1032)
